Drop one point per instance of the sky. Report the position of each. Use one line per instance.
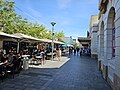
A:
(71, 16)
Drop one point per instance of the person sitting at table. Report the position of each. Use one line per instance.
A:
(1, 56)
(2, 68)
(9, 59)
(4, 61)
(43, 55)
(47, 51)
(46, 54)
(4, 58)
(11, 65)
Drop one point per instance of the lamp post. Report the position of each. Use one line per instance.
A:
(53, 24)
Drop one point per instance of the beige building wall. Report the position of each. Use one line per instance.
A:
(93, 35)
(93, 20)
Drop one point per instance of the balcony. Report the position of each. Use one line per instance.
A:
(102, 6)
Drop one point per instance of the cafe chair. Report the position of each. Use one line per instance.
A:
(10, 70)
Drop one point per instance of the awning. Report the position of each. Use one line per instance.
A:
(26, 38)
(58, 42)
(84, 41)
(50, 41)
(46, 40)
(5, 35)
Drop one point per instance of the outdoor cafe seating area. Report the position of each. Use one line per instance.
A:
(13, 58)
(13, 62)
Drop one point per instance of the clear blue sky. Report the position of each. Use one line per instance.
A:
(72, 16)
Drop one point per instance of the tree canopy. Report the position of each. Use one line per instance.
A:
(11, 22)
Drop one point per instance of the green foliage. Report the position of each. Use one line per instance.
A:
(14, 23)
(7, 16)
(59, 36)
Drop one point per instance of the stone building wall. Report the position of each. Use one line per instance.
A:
(110, 64)
(94, 42)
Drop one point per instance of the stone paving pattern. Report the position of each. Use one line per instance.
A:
(79, 73)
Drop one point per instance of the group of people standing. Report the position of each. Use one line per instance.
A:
(79, 51)
(74, 50)
(86, 51)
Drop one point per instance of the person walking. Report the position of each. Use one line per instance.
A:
(59, 54)
(74, 51)
(69, 51)
(78, 50)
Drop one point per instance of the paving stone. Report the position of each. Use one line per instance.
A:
(78, 73)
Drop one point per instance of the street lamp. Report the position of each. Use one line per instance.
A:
(53, 24)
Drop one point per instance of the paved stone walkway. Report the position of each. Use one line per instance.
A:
(79, 73)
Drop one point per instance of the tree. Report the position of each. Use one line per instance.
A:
(8, 16)
(14, 23)
(59, 35)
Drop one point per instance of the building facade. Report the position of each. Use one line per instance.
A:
(108, 37)
(93, 28)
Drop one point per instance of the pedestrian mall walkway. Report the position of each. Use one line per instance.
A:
(73, 73)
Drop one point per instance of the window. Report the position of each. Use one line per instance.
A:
(113, 42)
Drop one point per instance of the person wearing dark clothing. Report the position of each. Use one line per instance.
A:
(78, 51)
(69, 50)
(18, 63)
(74, 51)
(4, 58)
